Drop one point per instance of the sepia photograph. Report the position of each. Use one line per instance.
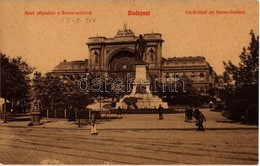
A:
(127, 82)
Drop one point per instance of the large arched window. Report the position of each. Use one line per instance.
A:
(202, 76)
(96, 56)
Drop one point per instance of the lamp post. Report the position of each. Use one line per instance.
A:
(102, 88)
(99, 74)
(5, 110)
(100, 107)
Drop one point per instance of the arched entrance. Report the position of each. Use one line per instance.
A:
(122, 65)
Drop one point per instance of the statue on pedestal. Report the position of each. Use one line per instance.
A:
(141, 96)
(140, 47)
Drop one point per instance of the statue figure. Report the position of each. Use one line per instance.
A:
(96, 56)
(151, 53)
(140, 47)
(125, 26)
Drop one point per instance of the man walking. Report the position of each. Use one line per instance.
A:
(93, 124)
(119, 111)
(186, 114)
(200, 120)
(160, 110)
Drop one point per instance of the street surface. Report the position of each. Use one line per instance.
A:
(25, 145)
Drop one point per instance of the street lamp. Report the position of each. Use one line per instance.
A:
(99, 93)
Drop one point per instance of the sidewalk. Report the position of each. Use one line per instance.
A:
(143, 122)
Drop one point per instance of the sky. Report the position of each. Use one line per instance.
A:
(45, 40)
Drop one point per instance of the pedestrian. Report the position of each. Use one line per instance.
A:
(71, 114)
(186, 114)
(196, 113)
(210, 104)
(119, 111)
(93, 124)
(160, 110)
(190, 114)
(200, 120)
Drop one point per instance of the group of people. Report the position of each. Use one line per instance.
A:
(198, 115)
(189, 114)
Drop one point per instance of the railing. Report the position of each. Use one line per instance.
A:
(82, 114)
(106, 111)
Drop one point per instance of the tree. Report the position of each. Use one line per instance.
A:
(211, 91)
(15, 82)
(178, 90)
(241, 90)
(15, 79)
(61, 92)
(22, 98)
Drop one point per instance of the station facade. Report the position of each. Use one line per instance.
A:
(115, 57)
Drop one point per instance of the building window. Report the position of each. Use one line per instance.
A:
(192, 75)
(176, 75)
(202, 76)
(202, 90)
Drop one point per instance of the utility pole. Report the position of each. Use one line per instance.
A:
(100, 102)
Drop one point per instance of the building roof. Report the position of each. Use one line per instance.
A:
(71, 66)
(184, 62)
(187, 58)
(124, 35)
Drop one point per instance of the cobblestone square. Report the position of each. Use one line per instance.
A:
(133, 139)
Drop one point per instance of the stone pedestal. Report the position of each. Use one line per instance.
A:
(141, 91)
(36, 118)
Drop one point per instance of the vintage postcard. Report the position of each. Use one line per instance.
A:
(162, 82)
